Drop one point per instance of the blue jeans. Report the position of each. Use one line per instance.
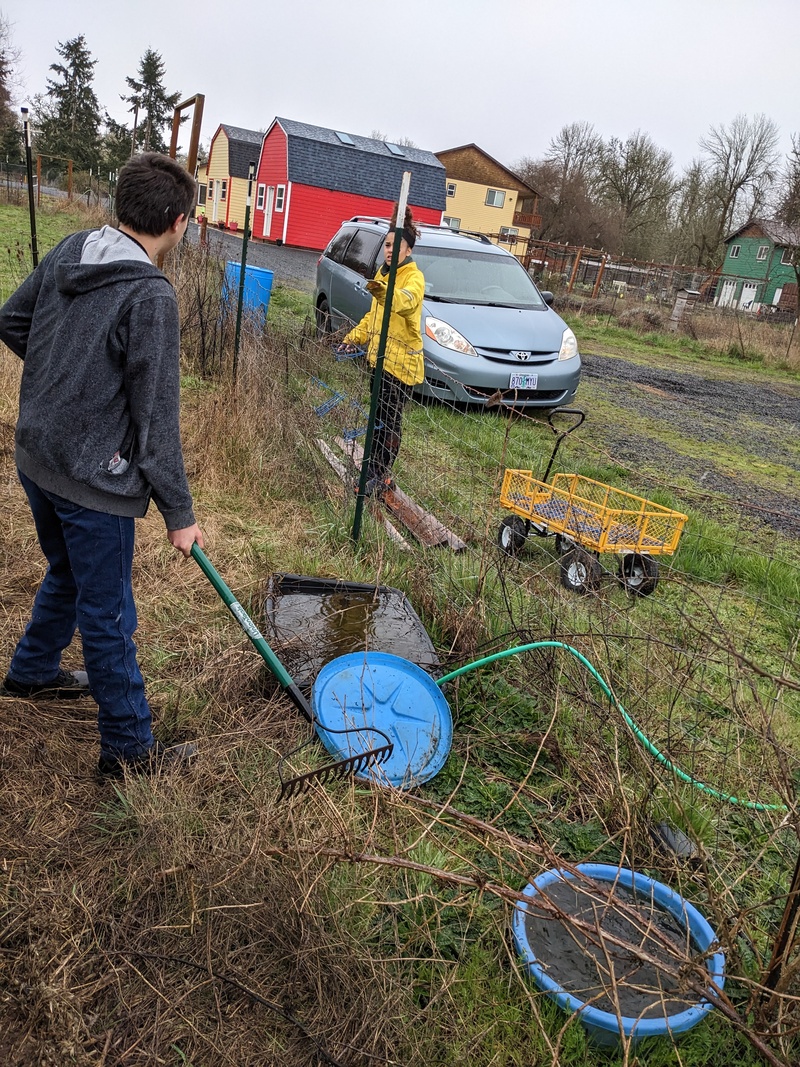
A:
(88, 584)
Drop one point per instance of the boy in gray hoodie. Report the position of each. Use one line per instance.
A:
(98, 436)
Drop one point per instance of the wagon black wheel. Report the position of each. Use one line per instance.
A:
(580, 571)
(323, 314)
(639, 574)
(563, 544)
(512, 535)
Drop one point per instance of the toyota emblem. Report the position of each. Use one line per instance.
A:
(522, 355)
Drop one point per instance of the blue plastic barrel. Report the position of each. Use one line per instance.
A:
(602, 1027)
(257, 287)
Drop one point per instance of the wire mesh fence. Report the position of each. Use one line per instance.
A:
(651, 727)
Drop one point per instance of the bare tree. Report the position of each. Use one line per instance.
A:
(741, 161)
(636, 177)
(575, 151)
(565, 178)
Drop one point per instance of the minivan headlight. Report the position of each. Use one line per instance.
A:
(569, 345)
(447, 337)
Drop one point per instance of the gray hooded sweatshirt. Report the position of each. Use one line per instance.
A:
(96, 325)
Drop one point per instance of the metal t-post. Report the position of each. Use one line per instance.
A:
(251, 173)
(31, 202)
(381, 353)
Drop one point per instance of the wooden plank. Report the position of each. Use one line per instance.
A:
(341, 470)
(425, 527)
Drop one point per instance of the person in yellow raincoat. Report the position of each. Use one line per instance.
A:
(403, 365)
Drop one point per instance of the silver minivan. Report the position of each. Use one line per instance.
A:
(487, 331)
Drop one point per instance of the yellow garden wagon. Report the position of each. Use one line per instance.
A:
(588, 518)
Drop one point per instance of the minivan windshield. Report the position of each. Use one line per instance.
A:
(467, 276)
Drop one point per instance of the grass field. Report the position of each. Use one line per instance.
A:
(197, 921)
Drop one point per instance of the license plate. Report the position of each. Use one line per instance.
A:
(523, 381)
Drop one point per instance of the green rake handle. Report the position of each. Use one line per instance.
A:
(252, 631)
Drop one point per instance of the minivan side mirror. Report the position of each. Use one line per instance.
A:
(547, 296)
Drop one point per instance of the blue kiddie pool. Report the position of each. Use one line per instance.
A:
(575, 972)
(362, 690)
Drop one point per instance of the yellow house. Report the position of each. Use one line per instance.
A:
(484, 195)
(232, 151)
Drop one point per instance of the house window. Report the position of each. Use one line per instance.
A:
(260, 197)
(734, 252)
(394, 149)
(787, 258)
(454, 224)
(280, 196)
(223, 192)
(451, 188)
(495, 197)
(345, 138)
(762, 251)
(210, 188)
(509, 233)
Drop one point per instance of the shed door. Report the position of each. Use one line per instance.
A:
(749, 290)
(725, 298)
(268, 210)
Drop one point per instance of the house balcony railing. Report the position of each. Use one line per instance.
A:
(522, 218)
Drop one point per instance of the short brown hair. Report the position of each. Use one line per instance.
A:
(153, 191)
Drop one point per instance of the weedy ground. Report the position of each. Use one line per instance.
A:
(195, 920)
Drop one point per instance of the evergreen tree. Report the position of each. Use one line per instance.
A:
(68, 115)
(10, 131)
(116, 144)
(151, 104)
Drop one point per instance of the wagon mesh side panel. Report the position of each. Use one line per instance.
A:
(595, 515)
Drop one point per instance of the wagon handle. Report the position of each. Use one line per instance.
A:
(561, 434)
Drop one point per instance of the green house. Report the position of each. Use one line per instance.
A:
(757, 272)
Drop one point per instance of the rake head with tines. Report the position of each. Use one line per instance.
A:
(343, 768)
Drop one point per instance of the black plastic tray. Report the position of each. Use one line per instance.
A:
(311, 621)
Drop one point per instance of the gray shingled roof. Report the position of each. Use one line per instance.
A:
(244, 148)
(779, 233)
(367, 167)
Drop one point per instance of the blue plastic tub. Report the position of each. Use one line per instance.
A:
(603, 1027)
(257, 287)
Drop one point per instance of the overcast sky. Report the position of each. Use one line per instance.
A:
(504, 74)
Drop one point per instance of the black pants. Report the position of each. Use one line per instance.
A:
(393, 397)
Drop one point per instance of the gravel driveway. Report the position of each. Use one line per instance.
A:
(295, 267)
(721, 416)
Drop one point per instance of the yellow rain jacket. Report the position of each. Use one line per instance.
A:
(403, 356)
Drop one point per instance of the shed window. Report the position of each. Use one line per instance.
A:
(788, 257)
(260, 197)
(210, 188)
(451, 188)
(223, 192)
(495, 197)
(280, 196)
(734, 252)
(762, 251)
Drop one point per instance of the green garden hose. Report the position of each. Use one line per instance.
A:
(632, 726)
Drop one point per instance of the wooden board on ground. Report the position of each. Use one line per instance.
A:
(341, 470)
(427, 529)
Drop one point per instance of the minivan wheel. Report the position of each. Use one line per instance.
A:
(323, 315)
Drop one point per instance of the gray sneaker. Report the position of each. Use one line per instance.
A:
(67, 685)
(158, 759)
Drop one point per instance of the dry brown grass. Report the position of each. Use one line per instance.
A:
(192, 920)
